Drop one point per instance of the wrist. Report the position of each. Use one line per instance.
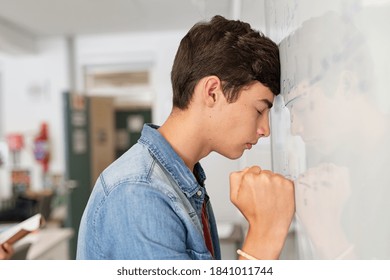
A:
(262, 244)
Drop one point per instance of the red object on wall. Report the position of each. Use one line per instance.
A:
(15, 142)
(41, 147)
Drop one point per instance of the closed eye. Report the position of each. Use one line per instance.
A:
(261, 112)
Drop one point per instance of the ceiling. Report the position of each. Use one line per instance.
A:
(39, 18)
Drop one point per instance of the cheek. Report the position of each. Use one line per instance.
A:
(238, 123)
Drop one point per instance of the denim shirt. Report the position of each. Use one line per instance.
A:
(147, 205)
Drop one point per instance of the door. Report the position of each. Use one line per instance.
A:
(128, 125)
(77, 154)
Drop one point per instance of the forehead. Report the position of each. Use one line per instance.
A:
(257, 91)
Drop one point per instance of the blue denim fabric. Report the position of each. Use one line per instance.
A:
(147, 205)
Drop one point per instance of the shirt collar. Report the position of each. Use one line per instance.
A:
(164, 153)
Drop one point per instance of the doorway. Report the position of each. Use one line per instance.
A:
(128, 127)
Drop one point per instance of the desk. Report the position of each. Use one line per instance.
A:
(50, 244)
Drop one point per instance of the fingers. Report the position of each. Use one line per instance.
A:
(236, 176)
(236, 179)
(6, 251)
(254, 169)
(8, 248)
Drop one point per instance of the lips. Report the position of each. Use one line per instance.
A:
(250, 145)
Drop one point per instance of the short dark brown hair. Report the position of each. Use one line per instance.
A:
(228, 49)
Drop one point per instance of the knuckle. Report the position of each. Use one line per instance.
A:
(248, 176)
(234, 175)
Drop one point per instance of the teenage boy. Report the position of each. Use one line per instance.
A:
(152, 203)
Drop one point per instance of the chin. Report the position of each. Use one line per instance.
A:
(231, 155)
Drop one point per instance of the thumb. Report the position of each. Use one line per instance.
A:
(235, 181)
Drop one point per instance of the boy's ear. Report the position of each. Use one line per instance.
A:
(212, 90)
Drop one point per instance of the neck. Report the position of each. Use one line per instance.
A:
(184, 133)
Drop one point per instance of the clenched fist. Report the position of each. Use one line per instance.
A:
(266, 200)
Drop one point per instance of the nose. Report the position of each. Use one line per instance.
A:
(263, 127)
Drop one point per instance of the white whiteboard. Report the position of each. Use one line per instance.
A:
(330, 125)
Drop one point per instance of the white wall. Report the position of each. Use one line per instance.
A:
(32, 87)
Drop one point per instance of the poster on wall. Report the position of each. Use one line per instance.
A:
(20, 181)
